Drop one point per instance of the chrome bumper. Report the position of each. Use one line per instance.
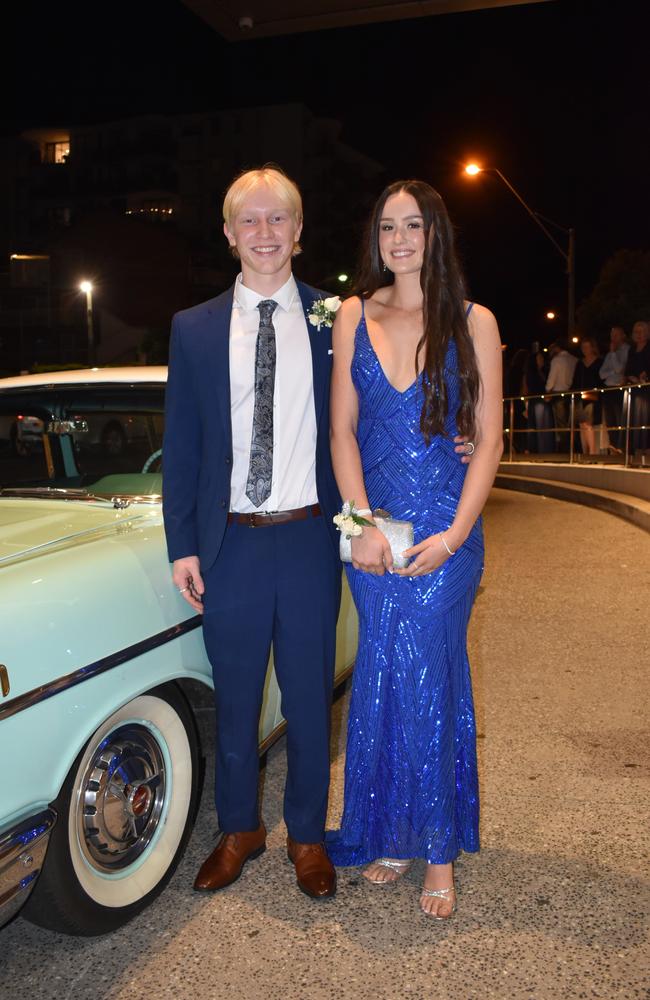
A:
(22, 851)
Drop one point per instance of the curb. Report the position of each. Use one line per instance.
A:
(622, 505)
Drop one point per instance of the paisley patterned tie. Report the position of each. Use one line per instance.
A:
(260, 469)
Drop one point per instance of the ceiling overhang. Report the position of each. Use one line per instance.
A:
(239, 20)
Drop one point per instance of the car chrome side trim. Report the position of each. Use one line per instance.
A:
(44, 691)
(22, 850)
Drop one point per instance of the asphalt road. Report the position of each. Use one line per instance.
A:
(556, 905)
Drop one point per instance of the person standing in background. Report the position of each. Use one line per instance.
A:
(560, 379)
(588, 406)
(637, 370)
(540, 413)
(612, 372)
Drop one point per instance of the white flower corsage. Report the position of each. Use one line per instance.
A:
(349, 521)
(323, 311)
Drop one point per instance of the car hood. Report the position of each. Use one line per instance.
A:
(31, 526)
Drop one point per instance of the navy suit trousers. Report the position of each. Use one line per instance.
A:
(274, 586)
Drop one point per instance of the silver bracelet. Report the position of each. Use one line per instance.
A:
(452, 552)
(363, 511)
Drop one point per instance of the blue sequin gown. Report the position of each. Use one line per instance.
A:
(411, 786)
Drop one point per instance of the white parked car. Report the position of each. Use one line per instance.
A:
(102, 663)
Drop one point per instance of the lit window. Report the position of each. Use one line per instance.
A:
(57, 152)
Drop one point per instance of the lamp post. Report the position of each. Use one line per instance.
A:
(87, 288)
(568, 255)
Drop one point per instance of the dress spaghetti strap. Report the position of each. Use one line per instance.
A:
(363, 307)
(469, 309)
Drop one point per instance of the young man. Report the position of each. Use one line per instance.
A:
(249, 497)
(560, 379)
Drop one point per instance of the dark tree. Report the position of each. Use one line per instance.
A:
(620, 297)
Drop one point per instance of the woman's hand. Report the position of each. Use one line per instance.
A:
(429, 555)
(371, 552)
(464, 447)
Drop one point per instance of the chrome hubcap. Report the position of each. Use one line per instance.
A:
(121, 796)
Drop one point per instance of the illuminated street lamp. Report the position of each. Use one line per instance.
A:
(87, 288)
(343, 277)
(550, 315)
(568, 256)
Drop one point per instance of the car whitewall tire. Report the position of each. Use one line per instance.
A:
(151, 717)
(124, 815)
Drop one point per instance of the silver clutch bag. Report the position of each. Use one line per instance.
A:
(398, 533)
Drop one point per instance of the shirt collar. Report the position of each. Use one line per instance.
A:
(246, 298)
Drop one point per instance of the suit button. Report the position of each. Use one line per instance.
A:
(228, 460)
(223, 503)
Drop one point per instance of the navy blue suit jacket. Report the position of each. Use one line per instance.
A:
(197, 448)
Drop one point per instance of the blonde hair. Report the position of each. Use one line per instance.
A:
(274, 178)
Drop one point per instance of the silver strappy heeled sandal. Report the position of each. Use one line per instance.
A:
(399, 867)
(445, 894)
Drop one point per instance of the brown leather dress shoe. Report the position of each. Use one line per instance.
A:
(225, 864)
(314, 871)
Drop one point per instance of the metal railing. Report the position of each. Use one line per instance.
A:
(608, 424)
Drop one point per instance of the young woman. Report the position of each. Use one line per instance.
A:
(414, 365)
(587, 378)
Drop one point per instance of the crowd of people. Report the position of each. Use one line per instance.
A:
(541, 421)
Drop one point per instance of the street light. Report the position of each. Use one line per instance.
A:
(550, 314)
(568, 255)
(87, 288)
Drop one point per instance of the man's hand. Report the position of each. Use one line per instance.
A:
(186, 574)
(464, 447)
(371, 552)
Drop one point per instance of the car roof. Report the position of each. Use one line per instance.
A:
(88, 376)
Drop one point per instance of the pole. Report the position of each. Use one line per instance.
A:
(511, 447)
(91, 332)
(571, 274)
(534, 215)
(569, 256)
(627, 406)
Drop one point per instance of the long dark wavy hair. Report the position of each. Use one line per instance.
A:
(443, 288)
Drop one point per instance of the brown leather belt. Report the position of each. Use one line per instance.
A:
(254, 520)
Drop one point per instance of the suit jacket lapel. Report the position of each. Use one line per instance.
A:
(220, 356)
(320, 341)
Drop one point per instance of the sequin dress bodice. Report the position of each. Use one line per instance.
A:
(411, 784)
(413, 481)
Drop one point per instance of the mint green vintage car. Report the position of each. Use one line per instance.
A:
(102, 663)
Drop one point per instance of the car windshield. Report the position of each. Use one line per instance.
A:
(105, 439)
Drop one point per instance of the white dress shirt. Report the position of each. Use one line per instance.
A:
(294, 417)
(560, 374)
(613, 367)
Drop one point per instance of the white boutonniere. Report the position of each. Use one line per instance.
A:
(323, 311)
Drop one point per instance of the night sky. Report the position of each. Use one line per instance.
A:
(554, 94)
